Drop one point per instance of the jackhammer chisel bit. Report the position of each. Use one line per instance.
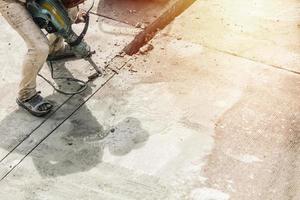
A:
(99, 71)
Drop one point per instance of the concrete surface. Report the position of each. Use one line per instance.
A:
(192, 119)
(266, 31)
(134, 12)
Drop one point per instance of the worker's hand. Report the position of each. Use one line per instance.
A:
(81, 17)
(82, 50)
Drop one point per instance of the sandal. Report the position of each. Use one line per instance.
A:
(36, 105)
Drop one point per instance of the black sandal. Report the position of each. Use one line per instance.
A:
(34, 105)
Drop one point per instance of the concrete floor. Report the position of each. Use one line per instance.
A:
(211, 113)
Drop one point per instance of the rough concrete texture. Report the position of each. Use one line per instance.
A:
(135, 12)
(261, 30)
(186, 120)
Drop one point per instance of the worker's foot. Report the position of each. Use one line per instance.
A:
(64, 53)
(36, 105)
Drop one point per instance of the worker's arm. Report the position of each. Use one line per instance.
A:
(81, 17)
(77, 15)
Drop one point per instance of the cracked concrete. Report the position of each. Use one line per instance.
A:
(197, 118)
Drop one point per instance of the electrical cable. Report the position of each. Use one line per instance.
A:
(70, 79)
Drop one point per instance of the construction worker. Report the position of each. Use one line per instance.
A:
(39, 47)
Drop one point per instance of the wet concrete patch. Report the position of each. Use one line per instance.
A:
(125, 136)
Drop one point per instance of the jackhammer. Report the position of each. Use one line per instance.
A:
(51, 15)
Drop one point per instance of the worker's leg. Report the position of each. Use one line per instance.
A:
(56, 42)
(19, 18)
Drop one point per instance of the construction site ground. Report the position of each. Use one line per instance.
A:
(208, 109)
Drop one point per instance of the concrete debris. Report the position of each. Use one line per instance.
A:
(132, 11)
(140, 25)
(146, 48)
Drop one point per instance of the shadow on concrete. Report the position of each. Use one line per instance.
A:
(77, 145)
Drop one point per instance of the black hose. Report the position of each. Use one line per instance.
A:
(81, 82)
(76, 42)
(85, 29)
